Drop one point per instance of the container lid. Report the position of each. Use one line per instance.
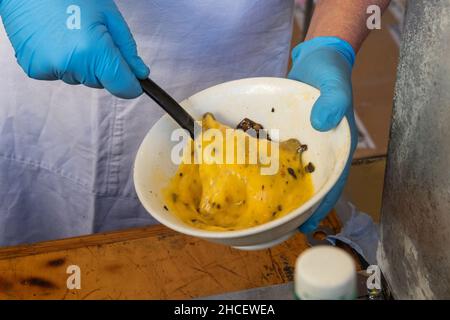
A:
(325, 273)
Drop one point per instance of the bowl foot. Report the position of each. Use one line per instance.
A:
(267, 245)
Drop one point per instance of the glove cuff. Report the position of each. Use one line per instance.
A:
(338, 44)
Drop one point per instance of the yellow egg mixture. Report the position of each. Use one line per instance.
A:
(225, 197)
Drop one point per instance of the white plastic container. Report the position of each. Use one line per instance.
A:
(325, 273)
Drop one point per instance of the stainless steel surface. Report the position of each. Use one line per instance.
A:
(314, 240)
(286, 292)
(415, 225)
(277, 292)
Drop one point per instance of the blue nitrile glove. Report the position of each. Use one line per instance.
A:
(101, 53)
(326, 63)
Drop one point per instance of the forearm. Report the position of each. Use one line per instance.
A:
(345, 19)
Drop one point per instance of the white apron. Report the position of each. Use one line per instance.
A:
(66, 152)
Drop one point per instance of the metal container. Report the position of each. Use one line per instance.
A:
(415, 227)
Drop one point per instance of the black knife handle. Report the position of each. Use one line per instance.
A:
(165, 101)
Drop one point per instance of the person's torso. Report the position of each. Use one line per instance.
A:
(91, 137)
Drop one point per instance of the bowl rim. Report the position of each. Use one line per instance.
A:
(305, 207)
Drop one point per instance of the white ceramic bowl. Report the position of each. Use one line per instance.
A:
(230, 102)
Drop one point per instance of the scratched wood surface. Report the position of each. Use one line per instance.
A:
(145, 263)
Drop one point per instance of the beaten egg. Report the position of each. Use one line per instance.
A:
(232, 196)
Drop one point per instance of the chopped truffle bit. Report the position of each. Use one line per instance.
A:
(310, 168)
(292, 173)
(303, 148)
(248, 124)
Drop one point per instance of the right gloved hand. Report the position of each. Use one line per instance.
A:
(100, 54)
(326, 64)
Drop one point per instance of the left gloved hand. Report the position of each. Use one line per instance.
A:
(326, 63)
(99, 53)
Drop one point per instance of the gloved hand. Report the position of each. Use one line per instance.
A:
(326, 63)
(100, 54)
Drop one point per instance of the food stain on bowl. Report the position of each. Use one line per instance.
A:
(233, 195)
